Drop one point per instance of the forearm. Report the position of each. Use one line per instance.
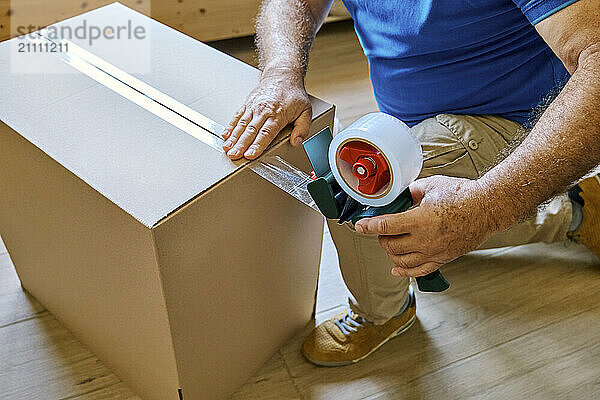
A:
(285, 31)
(562, 147)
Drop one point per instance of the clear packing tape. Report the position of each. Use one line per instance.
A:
(272, 168)
(286, 177)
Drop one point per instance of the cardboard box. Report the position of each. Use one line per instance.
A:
(181, 270)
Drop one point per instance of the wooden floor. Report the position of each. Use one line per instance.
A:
(517, 323)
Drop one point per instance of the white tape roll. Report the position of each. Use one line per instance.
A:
(394, 140)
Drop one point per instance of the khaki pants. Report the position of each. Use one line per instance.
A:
(460, 146)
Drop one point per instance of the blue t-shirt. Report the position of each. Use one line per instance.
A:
(428, 57)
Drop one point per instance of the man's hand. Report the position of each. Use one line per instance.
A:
(449, 221)
(278, 100)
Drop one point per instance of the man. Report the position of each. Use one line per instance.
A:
(465, 75)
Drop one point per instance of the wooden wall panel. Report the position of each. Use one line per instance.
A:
(205, 20)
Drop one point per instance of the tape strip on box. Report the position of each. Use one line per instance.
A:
(131, 88)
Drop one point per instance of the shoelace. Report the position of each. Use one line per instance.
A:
(349, 323)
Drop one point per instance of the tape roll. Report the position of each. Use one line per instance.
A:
(394, 141)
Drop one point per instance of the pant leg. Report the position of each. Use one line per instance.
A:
(366, 270)
(460, 146)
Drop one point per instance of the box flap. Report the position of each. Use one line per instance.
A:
(142, 163)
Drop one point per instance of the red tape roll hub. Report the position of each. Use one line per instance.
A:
(368, 165)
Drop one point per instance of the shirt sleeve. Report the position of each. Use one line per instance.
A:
(538, 10)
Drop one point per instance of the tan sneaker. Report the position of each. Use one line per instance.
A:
(347, 338)
(589, 231)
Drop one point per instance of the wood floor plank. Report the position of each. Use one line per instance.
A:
(491, 302)
(9, 282)
(117, 391)
(559, 361)
(41, 360)
(2, 247)
(271, 382)
(15, 304)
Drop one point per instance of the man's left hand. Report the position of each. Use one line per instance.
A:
(450, 220)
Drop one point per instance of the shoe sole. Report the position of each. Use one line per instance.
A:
(401, 330)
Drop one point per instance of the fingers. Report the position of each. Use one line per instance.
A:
(263, 129)
(237, 131)
(248, 135)
(301, 128)
(233, 123)
(390, 224)
(420, 270)
(265, 136)
(408, 261)
(400, 244)
(412, 264)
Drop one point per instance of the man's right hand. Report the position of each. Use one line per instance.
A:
(278, 100)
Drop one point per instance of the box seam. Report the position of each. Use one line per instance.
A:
(162, 291)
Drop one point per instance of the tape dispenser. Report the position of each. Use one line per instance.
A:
(365, 171)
